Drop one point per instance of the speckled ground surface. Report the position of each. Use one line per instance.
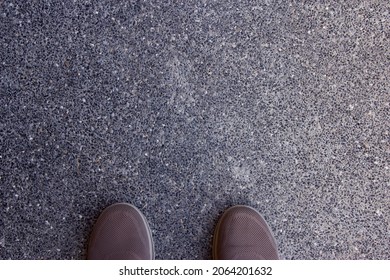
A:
(184, 108)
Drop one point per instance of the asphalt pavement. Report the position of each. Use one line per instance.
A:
(184, 108)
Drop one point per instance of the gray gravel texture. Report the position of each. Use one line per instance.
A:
(185, 108)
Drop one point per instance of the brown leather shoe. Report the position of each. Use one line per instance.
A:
(121, 233)
(243, 234)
